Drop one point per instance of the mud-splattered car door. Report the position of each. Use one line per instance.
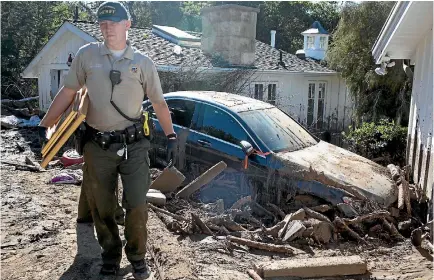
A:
(216, 136)
(182, 112)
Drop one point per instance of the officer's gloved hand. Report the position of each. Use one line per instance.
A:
(172, 148)
(42, 132)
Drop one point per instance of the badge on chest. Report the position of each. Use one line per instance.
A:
(134, 69)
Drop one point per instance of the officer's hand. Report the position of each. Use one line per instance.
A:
(42, 132)
(172, 149)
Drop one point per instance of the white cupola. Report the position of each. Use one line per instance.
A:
(316, 40)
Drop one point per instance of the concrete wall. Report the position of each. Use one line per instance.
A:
(421, 124)
(292, 96)
(56, 59)
(230, 32)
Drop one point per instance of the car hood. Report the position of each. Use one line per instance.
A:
(343, 169)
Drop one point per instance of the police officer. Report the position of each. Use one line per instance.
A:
(117, 78)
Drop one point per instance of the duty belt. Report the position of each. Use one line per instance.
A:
(129, 135)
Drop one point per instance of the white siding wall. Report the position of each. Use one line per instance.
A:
(292, 96)
(56, 59)
(420, 130)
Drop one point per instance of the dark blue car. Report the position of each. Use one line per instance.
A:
(282, 156)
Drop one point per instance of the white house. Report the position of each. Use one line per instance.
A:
(408, 34)
(315, 95)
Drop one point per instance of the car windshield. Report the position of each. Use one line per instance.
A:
(277, 130)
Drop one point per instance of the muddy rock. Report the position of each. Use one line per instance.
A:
(321, 231)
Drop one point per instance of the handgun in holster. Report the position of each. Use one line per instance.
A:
(81, 137)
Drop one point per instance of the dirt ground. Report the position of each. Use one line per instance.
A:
(40, 238)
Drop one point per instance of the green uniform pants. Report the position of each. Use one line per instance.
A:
(102, 168)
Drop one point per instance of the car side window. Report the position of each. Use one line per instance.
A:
(221, 125)
(182, 111)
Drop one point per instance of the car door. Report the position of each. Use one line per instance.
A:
(216, 135)
(182, 113)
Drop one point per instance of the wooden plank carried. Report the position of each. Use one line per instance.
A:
(79, 118)
(62, 123)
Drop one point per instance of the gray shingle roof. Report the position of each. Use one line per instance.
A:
(161, 52)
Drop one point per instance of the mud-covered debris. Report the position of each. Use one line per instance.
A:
(294, 229)
(156, 197)
(167, 181)
(202, 180)
(347, 210)
(322, 208)
(395, 172)
(312, 267)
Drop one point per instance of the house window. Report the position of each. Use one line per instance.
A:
(316, 104)
(272, 94)
(310, 42)
(310, 103)
(322, 43)
(320, 109)
(259, 91)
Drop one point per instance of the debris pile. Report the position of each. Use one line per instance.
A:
(273, 228)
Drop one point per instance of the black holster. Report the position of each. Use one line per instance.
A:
(81, 137)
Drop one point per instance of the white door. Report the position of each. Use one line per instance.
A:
(57, 79)
(316, 103)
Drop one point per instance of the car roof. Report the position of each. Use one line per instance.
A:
(234, 102)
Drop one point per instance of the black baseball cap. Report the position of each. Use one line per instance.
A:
(113, 11)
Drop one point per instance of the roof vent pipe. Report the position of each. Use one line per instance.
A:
(273, 38)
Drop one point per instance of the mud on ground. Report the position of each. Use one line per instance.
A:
(41, 240)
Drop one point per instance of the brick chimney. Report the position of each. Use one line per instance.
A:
(230, 31)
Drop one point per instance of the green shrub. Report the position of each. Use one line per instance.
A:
(384, 142)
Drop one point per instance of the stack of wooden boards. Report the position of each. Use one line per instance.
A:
(65, 126)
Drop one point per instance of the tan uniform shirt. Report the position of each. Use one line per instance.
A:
(91, 68)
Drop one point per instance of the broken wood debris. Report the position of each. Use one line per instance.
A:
(201, 224)
(277, 210)
(253, 274)
(313, 267)
(339, 223)
(241, 202)
(260, 245)
(316, 215)
(22, 165)
(321, 208)
(177, 217)
(251, 224)
(203, 179)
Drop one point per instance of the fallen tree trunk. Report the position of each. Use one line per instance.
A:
(260, 245)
